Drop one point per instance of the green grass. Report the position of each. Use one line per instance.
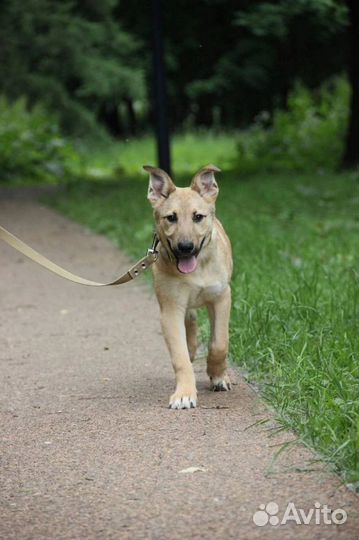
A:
(190, 151)
(295, 286)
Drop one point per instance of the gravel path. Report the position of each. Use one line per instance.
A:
(88, 446)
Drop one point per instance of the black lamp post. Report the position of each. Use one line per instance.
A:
(159, 90)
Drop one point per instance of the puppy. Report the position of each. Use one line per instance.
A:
(193, 269)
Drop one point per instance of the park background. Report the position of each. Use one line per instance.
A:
(268, 91)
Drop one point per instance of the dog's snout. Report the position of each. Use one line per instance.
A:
(185, 247)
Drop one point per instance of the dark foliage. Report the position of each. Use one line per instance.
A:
(226, 60)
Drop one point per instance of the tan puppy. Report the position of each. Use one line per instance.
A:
(193, 269)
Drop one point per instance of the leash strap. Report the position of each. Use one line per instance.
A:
(32, 254)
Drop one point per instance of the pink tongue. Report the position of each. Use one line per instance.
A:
(186, 266)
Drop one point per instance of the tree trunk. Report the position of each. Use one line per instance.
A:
(131, 117)
(351, 153)
(109, 116)
(204, 114)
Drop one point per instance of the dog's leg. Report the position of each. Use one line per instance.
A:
(219, 313)
(191, 332)
(174, 331)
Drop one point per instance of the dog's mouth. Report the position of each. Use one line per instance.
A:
(186, 265)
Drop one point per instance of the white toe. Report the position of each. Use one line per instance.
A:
(186, 403)
(183, 403)
(176, 404)
(220, 384)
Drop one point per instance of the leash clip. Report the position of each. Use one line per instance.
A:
(152, 251)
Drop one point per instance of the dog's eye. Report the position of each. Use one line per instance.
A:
(198, 217)
(172, 218)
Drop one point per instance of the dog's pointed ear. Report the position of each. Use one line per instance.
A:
(205, 183)
(160, 185)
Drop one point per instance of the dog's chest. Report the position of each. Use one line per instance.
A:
(203, 293)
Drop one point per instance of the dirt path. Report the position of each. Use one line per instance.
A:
(89, 448)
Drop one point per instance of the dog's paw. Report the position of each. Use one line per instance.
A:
(220, 384)
(183, 400)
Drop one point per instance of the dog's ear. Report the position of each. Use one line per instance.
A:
(160, 185)
(205, 183)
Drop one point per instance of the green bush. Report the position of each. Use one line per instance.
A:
(31, 146)
(308, 136)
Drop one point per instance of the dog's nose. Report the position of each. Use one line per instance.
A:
(185, 247)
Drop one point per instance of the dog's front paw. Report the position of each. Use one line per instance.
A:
(183, 399)
(220, 384)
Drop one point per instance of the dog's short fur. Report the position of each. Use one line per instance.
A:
(193, 269)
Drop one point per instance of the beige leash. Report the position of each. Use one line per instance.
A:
(132, 273)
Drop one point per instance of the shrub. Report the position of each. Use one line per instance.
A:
(31, 146)
(308, 136)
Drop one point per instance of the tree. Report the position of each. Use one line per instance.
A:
(296, 32)
(227, 60)
(73, 56)
(351, 154)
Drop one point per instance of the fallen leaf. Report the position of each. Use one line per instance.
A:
(192, 470)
